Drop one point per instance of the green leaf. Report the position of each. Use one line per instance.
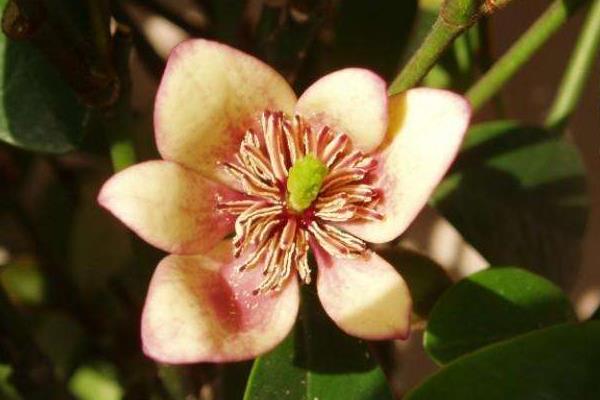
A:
(556, 363)
(61, 338)
(356, 33)
(491, 306)
(23, 281)
(96, 381)
(518, 195)
(317, 361)
(7, 390)
(38, 111)
(372, 34)
(234, 380)
(425, 278)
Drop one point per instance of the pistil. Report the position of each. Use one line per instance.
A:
(298, 184)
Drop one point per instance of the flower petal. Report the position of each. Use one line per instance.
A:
(209, 96)
(425, 132)
(170, 206)
(201, 309)
(353, 100)
(365, 298)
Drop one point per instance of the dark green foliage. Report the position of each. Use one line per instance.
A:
(491, 306)
(317, 361)
(518, 195)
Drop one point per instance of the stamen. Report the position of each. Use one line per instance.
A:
(292, 142)
(342, 176)
(288, 234)
(331, 243)
(334, 148)
(236, 206)
(271, 124)
(349, 160)
(323, 138)
(272, 169)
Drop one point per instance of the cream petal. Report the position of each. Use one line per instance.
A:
(364, 297)
(170, 206)
(426, 129)
(201, 309)
(210, 94)
(353, 100)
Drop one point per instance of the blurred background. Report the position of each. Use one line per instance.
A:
(77, 278)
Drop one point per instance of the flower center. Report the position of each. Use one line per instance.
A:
(299, 184)
(305, 179)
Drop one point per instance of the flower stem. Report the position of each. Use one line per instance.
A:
(522, 50)
(439, 38)
(122, 152)
(577, 72)
(454, 18)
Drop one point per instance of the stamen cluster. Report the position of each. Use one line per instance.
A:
(268, 231)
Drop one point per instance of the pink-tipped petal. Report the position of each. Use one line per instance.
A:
(201, 309)
(353, 100)
(209, 95)
(169, 206)
(425, 131)
(365, 297)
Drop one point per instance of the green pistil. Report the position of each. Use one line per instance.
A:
(304, 182)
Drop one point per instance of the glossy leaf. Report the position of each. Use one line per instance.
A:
(317, 361)
(370, 34)
(491, 306)
(373, 34)
(425, 278)
(518, 195)
(556, 363)
(38, 111)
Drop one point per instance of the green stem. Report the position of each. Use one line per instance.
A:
(439, 38)
(522, 50)
(455, 16)
(122, 152)
(577, 72)
(463, 54)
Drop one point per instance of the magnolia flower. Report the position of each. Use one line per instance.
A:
(341, 166)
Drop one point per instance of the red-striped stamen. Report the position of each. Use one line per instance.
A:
(271, 234)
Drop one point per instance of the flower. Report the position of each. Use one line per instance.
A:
(341, 166)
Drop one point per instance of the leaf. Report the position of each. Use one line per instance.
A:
(425, 278)
(556, 363)
(491, 306)
(7, 390)
(234, 380)
(38, 111)
(23, 281)
(372, 34)
(96, 381)
(518, 195)
(356, 33)
(62, 339)
(317, 361)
